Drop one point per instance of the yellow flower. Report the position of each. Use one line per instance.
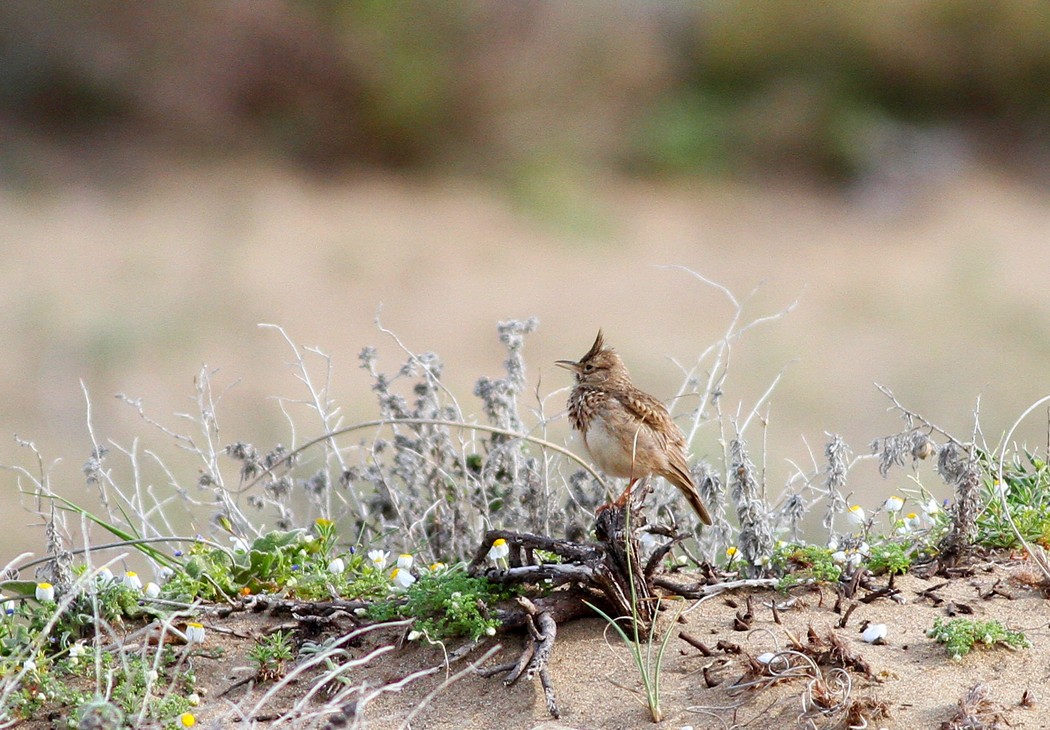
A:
(499, 550)
(187, 719)
(730, 551)
(402, 577)
(194, 633)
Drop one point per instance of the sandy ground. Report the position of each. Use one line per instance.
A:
(912, 679)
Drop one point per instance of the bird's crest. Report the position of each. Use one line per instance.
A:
(598, 346)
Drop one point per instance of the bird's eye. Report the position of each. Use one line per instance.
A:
(588, 368)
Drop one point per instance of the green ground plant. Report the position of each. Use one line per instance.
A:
(960, 636)
(445, 603)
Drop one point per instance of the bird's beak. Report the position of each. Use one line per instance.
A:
(568, 365)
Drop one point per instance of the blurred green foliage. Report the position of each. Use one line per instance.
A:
(822, 89)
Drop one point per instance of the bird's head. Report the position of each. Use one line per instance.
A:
(601, 366)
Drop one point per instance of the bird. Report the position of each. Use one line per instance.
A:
(627, 432)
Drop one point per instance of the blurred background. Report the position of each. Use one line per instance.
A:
(174, 173)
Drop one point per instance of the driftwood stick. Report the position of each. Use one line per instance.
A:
(699, 591)
(544, 645)
(548, 694)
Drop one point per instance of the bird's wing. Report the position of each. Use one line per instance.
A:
(653, 414)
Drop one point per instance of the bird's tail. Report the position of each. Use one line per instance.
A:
(681, 479)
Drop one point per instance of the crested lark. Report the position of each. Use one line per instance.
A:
(627, 432)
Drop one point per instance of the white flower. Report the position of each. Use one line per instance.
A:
(45, 592)
(864, 549)
(8, 607)
(152, 590)
(152, 675)
(132, 581)
(647, 541)
(402, 578)
(856, 515)
(853, 561)
(240, 545)
(194, 699)
(104, 576)
(165, 574)
(499, 550)
(931, 507)
(893, 504)
(874, 633)
(414, 635)
(30, 665)
(76, 651)
(404, 561)
(336, 566)
(912, 521)
(765, 658)
(490, 631)
(194, 633)
(833, 543)
(379, 558)
(839, 557)
(438, 566)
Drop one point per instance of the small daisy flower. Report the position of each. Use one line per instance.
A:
(194, 699)
(874, 633)
(893, 504)
(379, 558)
(414, 635)
(438, 566)
(856, 515)
(195, 633)
(152, 590)
(500, 550)
(336, 566)
(165, 574)
(402, 578)
(912, 521)
(45, 592)
(839, 557)
(931, 507)
(187, 719)
(76, 651)
(132, 581)
(404, 561)
(104, 576)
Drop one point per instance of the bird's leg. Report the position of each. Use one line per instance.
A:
(626, 496)
(619, 502)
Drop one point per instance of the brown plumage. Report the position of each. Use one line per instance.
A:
(627, 432)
